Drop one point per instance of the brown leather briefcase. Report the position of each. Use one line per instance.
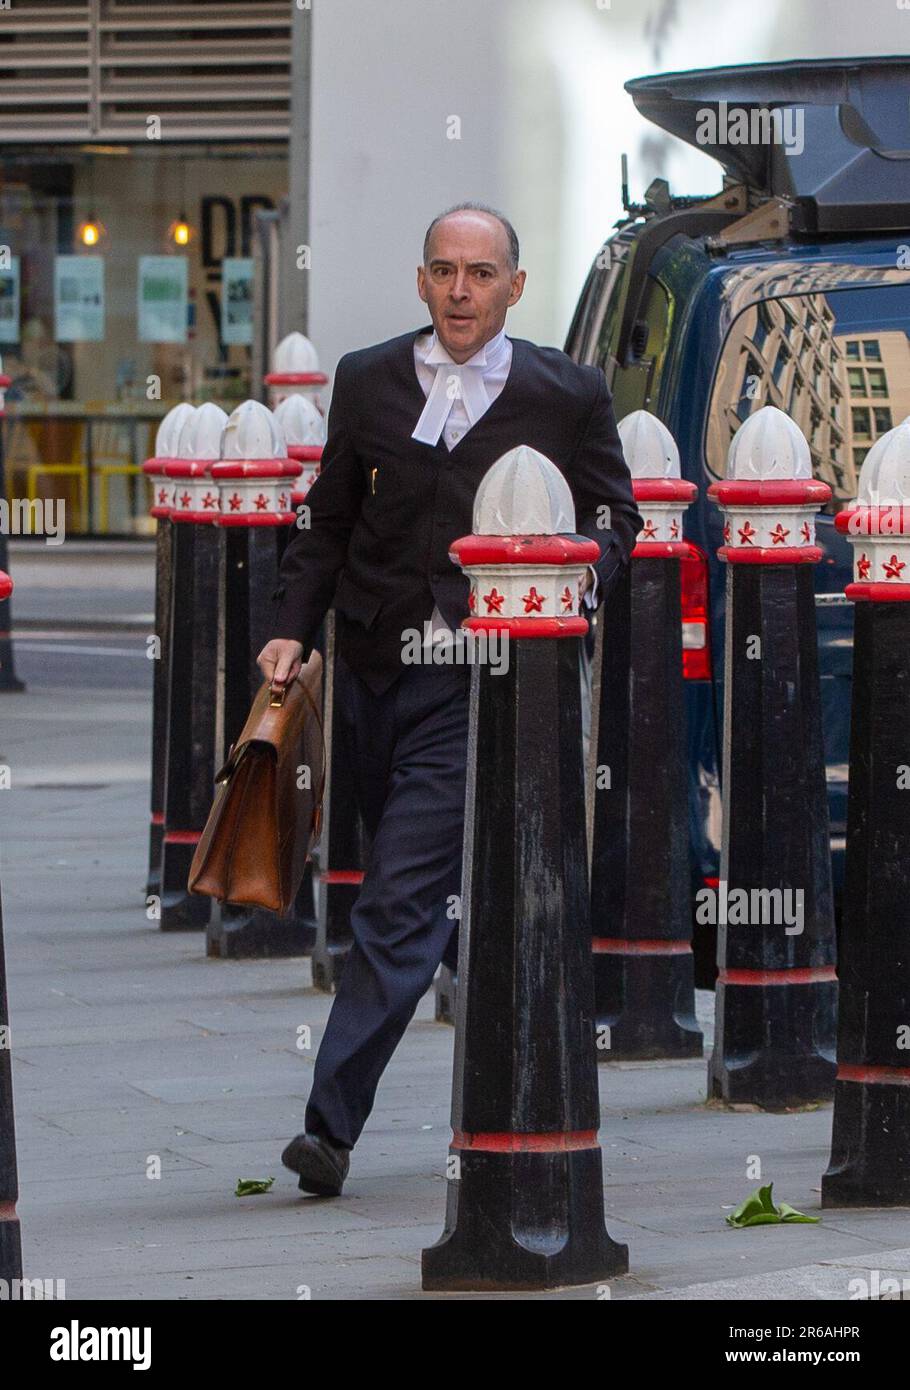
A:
(268, 800)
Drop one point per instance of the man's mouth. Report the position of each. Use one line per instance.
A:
(461, 318)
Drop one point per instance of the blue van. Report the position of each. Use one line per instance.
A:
(790, 287)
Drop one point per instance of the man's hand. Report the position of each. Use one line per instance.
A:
(585, 582)
(280, 660)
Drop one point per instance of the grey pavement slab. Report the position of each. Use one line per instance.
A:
(148, 1079)
(83, 585)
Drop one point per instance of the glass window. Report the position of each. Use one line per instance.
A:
(878, 385)
(857, 379)
(860, 419)
(121, 257)
(872, 350)
(851, 351)
(882, 417)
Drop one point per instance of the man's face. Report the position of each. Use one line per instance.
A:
(467, 282)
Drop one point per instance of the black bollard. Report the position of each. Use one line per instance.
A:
(339, 854)
(644, 986)
(342, 843)
(9, 681)
(162, 497)
(255, 479)
(776, 989)
(193, 666)
(525, 1195)
(300, 419)
(10, 1236)
(870, 1148)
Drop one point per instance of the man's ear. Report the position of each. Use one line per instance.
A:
(422, 283)
(518, 284)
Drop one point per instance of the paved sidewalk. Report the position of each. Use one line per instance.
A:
(129, 1046)
(83, 585)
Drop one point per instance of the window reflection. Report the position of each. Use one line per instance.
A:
(838, 364)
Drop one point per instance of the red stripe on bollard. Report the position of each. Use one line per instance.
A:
(157, 818)
(878, 592)
(875, 1076)
(529, 627)
(341, 876)
(7, 1211)
(786, 555)
(811, 975)
(182, 837)
(606, 945)
(525, 1143)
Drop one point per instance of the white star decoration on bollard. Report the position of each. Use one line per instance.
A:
(523, 560)
(198, 447)
(878, 524)
(254, 474)
(163, 487)
(305, 430)
(661, 493)
(769, 498)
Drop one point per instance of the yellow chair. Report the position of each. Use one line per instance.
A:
(111, 441)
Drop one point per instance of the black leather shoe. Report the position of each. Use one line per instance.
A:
(322, 1166)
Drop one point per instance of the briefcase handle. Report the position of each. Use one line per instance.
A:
(276, 695)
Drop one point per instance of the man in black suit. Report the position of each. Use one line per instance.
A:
(414, 425)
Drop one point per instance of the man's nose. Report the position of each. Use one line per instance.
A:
(459, 289)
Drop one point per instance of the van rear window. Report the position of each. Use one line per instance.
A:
(838, 363)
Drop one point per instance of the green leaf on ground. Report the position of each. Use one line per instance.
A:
(250, 1187)
(759, 1210)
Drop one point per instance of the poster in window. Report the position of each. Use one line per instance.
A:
(237, 299)
(9, 301)
(79, 299)
(163, 299)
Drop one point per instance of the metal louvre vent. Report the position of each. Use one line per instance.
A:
(210, 69)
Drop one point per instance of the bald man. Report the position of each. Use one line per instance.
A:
(414, 424)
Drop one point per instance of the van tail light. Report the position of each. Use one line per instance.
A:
(696, 653)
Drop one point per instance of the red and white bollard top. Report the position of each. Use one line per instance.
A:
(163, 487)
(304, 431)
(769, 498)
(198, 447)
(524, 560)
(295, 370)
(254, 474)
(660, 491)
(878, 523)
(6, 585)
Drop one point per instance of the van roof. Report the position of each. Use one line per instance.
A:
(839, 148)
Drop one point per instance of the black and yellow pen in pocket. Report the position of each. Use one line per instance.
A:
(373, 472)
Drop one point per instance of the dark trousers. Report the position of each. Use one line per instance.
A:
(410, 746)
